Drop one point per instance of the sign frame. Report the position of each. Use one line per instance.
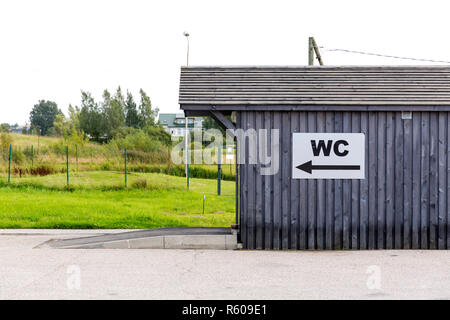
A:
(328, 155)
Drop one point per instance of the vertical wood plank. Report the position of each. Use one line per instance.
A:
(364, 188)
(381, 181)
(407, 183)
(268, 187)
(417, 128)
(295, 207)
(277, 192)
(424, 180)
(390, 179)
(329, 185)
(238, 184)
(434, 136)
(312, 200)
(399, 141)
(259, 187)
(321, 213)
(355, 205)
(442, 175)
(285, 176)
(304, 196)
(373, 205)
(346, 193)
(338, 215)
(448, 179)
(244, 184)
(251, 239)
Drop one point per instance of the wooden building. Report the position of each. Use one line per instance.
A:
(403, 199)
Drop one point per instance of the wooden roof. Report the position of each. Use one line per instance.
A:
(298, 87)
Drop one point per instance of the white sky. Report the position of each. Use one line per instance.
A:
(53, 49)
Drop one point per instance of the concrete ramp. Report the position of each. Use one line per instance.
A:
(163, 238)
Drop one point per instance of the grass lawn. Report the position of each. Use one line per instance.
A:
(25, 140)
(99, 200)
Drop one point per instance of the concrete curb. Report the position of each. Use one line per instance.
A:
(169, 241)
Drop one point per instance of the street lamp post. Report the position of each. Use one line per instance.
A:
(186, 119)
(186, 34)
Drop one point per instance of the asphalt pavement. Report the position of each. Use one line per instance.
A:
(27, 272)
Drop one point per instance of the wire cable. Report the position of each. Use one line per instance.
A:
(383, 55)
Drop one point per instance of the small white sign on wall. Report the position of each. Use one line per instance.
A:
(328, 155)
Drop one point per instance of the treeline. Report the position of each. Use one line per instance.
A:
(114, 117)
(99, 120)
(105, 119)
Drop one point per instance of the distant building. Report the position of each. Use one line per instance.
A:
(19, 129)
(175, 123)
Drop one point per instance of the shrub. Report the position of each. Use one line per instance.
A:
(42, 170)
(106, 166)
(5, 140)
(147, 157)
(18, 156)
(178, 170)
(58, 147)
(140, 183)
(138, 140)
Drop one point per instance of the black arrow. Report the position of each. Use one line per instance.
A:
(309, 167)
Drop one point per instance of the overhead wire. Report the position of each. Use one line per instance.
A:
(382, 55)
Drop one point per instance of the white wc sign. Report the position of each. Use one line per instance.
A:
(328, 155)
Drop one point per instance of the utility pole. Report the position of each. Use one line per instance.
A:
(310, 52)
(313, 49)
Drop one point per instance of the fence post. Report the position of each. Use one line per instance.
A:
(125, 166)
(32, 156)
(9, 166)
(204, 199)
(219, 169)
(76, 155)
(67, 164)
(187, 168)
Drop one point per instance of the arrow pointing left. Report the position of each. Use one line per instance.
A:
(309, 167)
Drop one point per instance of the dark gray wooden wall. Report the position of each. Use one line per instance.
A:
(404, 202)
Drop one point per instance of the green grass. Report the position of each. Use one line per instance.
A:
(100, 200)
(97, 157)
(24, 140)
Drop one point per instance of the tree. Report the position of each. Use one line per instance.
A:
(116, 116)
(4, 127)
(43, 115)
(113, 109)
(147, 115)
(90, 116)
(159, 133)
(132, 116)
(74, 118)
(61, 125)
